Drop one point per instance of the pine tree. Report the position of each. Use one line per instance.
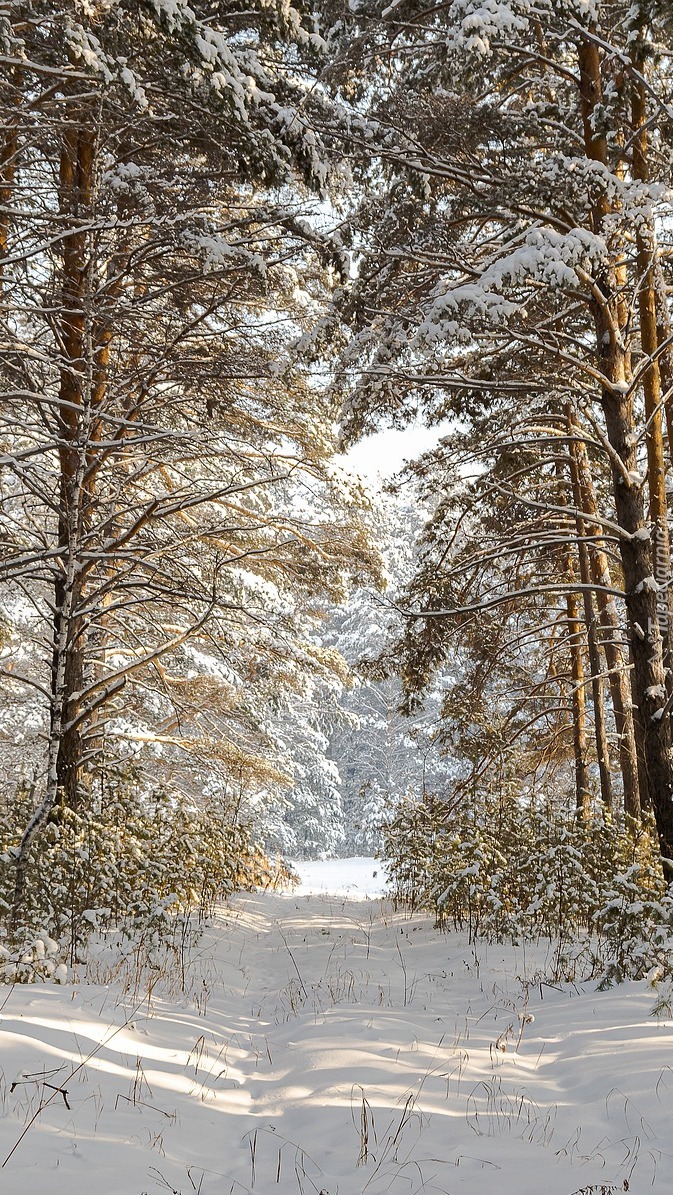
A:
(515, 261)
(163, 465)
(383, 752)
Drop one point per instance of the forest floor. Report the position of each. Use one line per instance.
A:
(326, 1044)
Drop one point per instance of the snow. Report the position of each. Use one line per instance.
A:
(358, 879)
(383, 453)
(479, 21)
(648, 583)
(545, 256)
(327, 1043)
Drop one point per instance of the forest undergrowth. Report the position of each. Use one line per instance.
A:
(508, 872)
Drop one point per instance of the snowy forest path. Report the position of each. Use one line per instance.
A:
(328, 1044)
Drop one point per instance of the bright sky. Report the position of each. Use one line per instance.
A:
(385, 452)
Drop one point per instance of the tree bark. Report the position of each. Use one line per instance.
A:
(635, 793)
(636, 549)
(646, 256)
(59, 706)
(648, 677)
(76, 185)
(578, 698)
(9, 153)
(597, 686)
(665, 340)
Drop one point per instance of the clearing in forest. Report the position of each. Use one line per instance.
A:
(327, 1044)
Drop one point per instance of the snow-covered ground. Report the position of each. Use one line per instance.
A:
(330, 1045)
(359, 879)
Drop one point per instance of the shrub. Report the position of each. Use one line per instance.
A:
(132, 865)
(502, 869)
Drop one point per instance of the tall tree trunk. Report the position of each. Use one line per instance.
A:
(9, 155)
(577, 675)
(646, 260)
(647, 646)
(76, 184)
(58, 710)
(597, 686)
(665, 341)
(578, 698)
(649, 678)
(611, 633)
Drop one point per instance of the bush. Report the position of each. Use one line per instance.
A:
(130, 866)
(38, 959)
(501, 869)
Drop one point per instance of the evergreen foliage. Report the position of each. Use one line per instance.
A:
(170, 522)
(500, 869)
(459, 213)
(139, 866)
(514, 258)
